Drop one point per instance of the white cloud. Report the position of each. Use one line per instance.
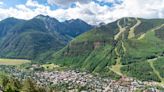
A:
(93, 13)
(90, 12)
(1, 3)
(66, 3)
(32, 3)
(24, 11)
(23, 8)
(141, 8)
(107, 1)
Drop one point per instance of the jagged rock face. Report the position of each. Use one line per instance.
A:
(115, 47)
(36, 38)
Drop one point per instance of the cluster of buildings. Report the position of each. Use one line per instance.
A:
(75, 79)
(92, 83)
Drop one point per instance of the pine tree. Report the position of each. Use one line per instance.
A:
(29, 85)
(5, 81)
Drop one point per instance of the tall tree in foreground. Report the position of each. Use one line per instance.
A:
(29, 85)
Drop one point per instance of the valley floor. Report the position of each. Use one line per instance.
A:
(71, 80)
(13, 61)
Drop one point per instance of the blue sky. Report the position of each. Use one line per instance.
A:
(91, 11)
(13, 3)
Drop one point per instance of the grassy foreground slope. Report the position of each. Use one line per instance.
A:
(120, 48)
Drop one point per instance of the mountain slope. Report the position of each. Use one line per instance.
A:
(122, 47)
(6, 26)
(34, 39)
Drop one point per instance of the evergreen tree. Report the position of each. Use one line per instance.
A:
(5, 81)
(29, 85)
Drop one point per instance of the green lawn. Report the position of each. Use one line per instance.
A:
(13, 61)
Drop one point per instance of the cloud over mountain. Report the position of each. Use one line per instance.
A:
(91, 11)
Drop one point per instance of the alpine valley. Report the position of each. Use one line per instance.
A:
(126, 55)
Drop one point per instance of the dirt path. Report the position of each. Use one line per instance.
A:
(117, 67)
(132, 29)
(121, 30)
(154, 29)
(158, 27)
(123, 46)
(120, 45)
(141, 37)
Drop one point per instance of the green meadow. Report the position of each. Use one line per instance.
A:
(13, 61)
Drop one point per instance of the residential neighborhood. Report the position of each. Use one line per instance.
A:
(75, 79)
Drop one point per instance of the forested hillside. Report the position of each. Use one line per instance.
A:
(38, 37)
(127, 47)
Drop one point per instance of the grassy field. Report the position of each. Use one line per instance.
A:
(13, 61)
(50, 66)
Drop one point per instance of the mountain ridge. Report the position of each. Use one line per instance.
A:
(30, 38)
(115, 48)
